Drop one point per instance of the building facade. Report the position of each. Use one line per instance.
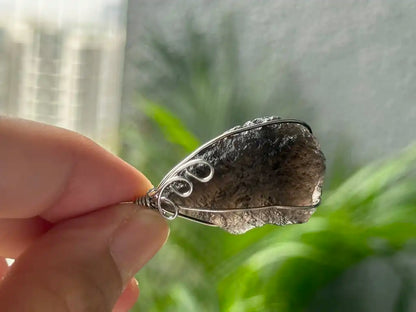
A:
(68, 78)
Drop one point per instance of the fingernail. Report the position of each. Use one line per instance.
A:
(137, 240)
(135, 281)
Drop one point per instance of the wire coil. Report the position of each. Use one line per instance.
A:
(157, 198)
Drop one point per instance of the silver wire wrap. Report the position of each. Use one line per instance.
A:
(180, 176)
(155, 197)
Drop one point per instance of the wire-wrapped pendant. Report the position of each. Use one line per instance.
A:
(267, 171)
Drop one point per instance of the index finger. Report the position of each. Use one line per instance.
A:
(57, 174)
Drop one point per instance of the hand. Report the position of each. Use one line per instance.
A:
(76, 247)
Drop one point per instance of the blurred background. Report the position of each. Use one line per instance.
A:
(153, 79)
(61, 63)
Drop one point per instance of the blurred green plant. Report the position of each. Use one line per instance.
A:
(172, 127)
(372, 214)
(201, 78)
(282, 269)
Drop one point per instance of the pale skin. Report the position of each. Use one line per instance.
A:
(64, 218)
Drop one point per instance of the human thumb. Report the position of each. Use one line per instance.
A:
(83, 264)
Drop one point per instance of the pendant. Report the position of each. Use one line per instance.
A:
(267, 171)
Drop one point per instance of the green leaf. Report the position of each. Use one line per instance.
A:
(171, 126)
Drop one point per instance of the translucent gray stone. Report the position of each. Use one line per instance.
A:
(273, 173)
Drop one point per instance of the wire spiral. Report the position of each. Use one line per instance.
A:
(179, 183)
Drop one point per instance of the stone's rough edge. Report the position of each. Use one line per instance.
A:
(256, 121)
